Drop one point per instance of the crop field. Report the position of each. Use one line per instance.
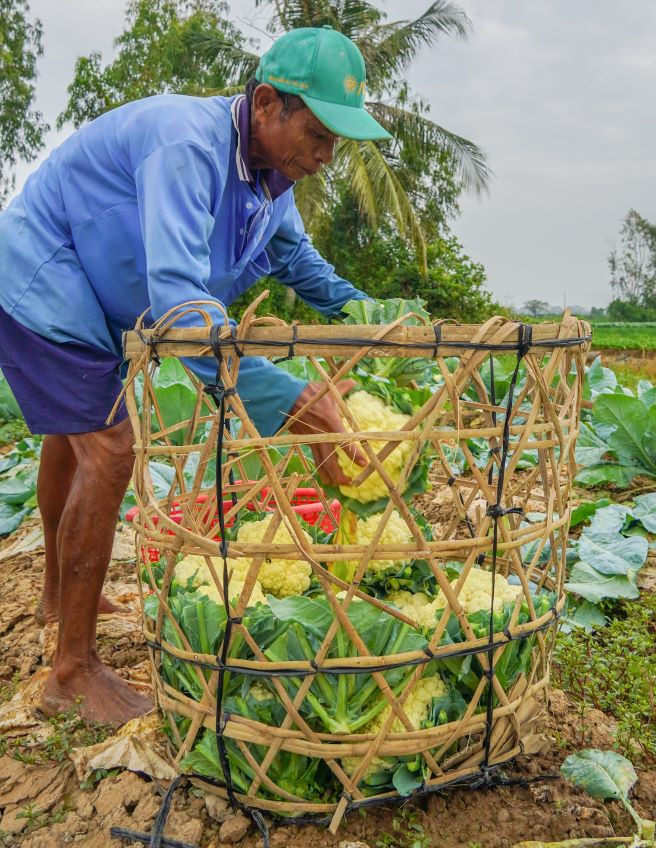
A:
(623, 336)
(64, 782)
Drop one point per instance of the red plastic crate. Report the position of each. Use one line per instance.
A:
(304, 502)
(152, 554)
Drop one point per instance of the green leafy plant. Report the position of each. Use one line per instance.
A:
(608, 560)
(18, 474)
(608, 776)
(34, 817)
(67, 730)
(619, 445)
(613, 670)
(407, 831)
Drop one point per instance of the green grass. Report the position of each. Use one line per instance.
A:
(614, 670)
(68, 730)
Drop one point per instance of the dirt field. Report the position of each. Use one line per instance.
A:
(42, 804)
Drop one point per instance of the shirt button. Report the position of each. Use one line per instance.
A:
(241, 231)
(249, 205)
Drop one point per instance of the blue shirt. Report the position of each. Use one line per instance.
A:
(149, 206)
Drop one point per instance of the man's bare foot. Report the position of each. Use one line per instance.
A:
(47, 611)
(96, 692)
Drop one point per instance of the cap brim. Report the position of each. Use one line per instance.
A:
(348, 121)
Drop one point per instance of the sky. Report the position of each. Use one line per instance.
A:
(559, 94)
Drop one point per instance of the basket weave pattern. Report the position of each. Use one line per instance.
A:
(480, 532)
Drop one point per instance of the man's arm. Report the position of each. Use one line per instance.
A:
(296, 263)
(178, 188)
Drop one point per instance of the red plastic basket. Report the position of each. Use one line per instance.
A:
(304, 502)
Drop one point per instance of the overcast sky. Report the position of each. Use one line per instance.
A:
(560, 95)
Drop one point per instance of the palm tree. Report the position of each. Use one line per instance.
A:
(382, 183)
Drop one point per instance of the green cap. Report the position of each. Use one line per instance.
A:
(326, 70)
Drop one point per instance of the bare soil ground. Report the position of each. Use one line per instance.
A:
(42, 803)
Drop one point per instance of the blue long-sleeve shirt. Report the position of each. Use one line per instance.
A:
(149, 206)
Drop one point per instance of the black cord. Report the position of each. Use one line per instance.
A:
(219, 392)
(156, 838)
(496, 511)
(221, 343)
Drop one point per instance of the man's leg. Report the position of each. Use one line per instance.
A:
(84, 543)
(56, 471)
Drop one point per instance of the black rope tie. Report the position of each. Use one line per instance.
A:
(437, 329)
(291, 353)
(497, 511)
(152, 344)
(233, 335)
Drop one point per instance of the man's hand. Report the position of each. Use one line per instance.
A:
(323, 417)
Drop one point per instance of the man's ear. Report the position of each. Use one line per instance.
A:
(265, 100)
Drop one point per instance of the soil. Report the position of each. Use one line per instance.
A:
(42, 804)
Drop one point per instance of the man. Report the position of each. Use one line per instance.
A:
(161, 201)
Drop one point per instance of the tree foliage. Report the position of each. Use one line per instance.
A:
(392, 180)
(21, 127)
(384, 265)
(633, 270)
(380, 212)
(156, 55)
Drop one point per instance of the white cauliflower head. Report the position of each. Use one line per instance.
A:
(195, 568)
(419, 606)
(476, 594)
(372, 413)
(396, 530)
(280, 577)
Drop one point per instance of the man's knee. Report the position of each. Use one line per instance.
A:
(109, 453)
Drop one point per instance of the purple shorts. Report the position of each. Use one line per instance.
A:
(61, 388)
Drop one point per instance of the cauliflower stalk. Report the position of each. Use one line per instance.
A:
(417, 708)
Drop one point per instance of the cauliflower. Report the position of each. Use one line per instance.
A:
(476, 593)
(371, 413)
(396, 530)
(474, 596)
(417, 709)
(195, 568)
(260, 691)
(419, 606)
(280, 577)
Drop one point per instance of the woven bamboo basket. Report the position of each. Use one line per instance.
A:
(501, 515)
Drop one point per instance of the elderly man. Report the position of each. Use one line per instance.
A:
(161, 201)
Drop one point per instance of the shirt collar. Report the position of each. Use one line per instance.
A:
(275, 182)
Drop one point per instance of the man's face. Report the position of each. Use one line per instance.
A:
(296, 143)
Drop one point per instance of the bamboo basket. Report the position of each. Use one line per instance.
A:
(480, 531)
